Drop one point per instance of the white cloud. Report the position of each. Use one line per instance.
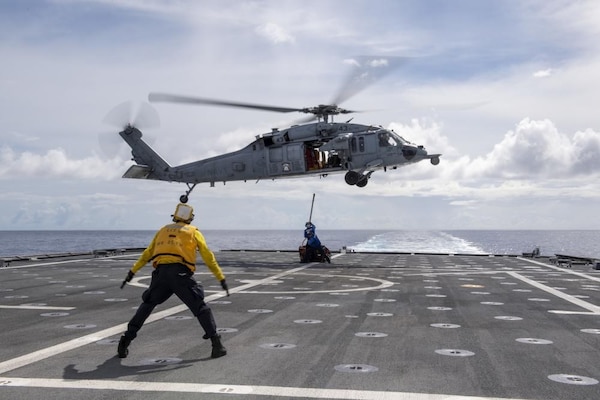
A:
(543, 73)
(274, 33)
(55, 164)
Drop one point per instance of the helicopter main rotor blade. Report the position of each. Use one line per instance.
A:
(367, 70)
(172, 98)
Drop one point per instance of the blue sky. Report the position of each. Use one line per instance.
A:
(505, 90)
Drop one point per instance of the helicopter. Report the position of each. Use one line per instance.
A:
(316, 147)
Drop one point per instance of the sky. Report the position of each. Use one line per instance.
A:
(506, 91)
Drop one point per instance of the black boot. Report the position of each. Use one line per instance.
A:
(218, 350)
(122, 350)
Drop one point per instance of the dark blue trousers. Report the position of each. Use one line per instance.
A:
(166, 280)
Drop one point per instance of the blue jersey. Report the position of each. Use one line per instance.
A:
(311, 237)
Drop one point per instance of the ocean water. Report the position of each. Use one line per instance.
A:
(585, 243)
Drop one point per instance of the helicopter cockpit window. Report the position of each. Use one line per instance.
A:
(386, 139)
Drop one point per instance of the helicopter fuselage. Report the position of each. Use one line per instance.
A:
(312, 149)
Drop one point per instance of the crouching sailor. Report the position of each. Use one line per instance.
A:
(173, 255)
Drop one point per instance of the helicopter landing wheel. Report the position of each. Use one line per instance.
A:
(362, 182)
(184, 197)
(352, 177)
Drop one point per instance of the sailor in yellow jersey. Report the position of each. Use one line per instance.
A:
(173, 255)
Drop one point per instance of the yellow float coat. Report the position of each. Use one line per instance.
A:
(177, 243)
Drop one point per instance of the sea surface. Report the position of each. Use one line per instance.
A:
(584, 243)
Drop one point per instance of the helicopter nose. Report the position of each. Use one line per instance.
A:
(409, 152)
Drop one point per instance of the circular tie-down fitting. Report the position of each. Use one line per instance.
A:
(356, 368)
(573, 379)
(160, 361)
(534, 341)
(455, 352)
(54, 314)
(238, 389)
(380, 314)
(226, 330)
(592, 331)
(307, 321)
(445, 326)
(440, 308)
(508, 318)
(260, 311)
(278, 346)
(370, 334)
(80, 326)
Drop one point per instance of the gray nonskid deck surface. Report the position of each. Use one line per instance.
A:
(367, 326)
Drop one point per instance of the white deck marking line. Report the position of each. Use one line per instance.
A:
(229, 390)
(569, 271)
(25, 307)
(45, 264)
(595, 310)
(42, 354)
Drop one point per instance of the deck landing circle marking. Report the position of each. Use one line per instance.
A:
(328, 305)
(534, 341)
(455, 352)
(385, 300)
(115, 300)
(573, 379)
(440, 308)
(278, 346)
(370, 334)
(492, 303)
(160, 361)
(356, 368)
(220, 302)
(381, 284)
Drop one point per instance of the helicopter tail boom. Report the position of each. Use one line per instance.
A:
(149, 164)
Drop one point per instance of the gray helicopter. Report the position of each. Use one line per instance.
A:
(317, 147)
